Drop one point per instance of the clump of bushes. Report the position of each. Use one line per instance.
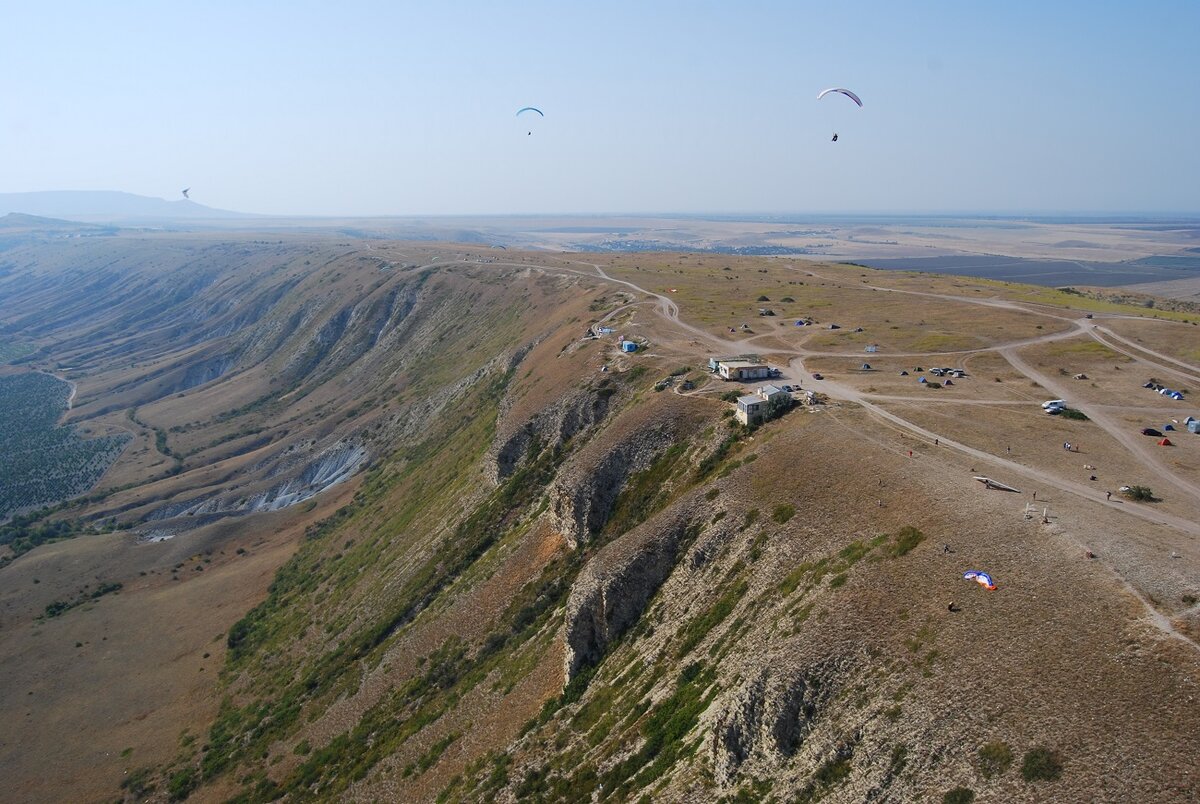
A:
(1139, 493)
(959, 795)
(994, 758)
(783, 513)
(1041, 764)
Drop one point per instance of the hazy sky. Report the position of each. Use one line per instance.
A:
(408, 108)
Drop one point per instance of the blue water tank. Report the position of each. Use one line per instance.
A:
(628, 346)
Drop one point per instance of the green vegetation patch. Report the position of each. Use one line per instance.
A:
(664, 728)
(44, 463)
(645, 492)
(697, 629)
(1084, 348)
(811, 573)
(11, 351)
(1041, 764)
(994, 758)
(23, 533)
(959, 795)
(60, 607)
(905, 540)
(1139, 493)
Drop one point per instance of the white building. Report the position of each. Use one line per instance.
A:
(757, 407)
(743, 370)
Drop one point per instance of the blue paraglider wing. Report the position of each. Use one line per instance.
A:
(531, 109)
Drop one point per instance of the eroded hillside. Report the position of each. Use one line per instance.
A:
(553, 570)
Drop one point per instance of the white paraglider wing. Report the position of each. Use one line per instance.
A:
(845, 92)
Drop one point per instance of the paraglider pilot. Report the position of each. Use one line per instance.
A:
(835, 136)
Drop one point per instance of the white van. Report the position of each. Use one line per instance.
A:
(1054, 405)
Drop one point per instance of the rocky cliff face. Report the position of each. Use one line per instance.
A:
(612, 591)
(586, 489)
(579, 410)
(768, 715)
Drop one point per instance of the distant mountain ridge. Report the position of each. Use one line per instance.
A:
(107, 205)
(21, 221)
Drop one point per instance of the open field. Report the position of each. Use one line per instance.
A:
(1043, 251)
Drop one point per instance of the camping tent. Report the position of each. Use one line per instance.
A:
(1166, 442)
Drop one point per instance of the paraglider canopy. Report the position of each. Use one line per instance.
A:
(981, 578)
(845, 92)
(529, 111)
(836, 118)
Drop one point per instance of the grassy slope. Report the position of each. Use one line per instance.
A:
(411, 647)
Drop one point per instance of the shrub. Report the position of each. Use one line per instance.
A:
(959, 795)
(1071, 413)
(1041, 764)
(783, 513)
(181, 784)
(994, 758)
(1139, 494)
(787, 299)
(908, 538)
(763, 298)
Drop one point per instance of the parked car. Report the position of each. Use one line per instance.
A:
(817, 376)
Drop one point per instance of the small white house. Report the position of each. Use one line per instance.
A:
(743, 370)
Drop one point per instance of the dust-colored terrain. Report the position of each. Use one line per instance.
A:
(394, 525)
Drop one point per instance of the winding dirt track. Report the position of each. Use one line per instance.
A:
(1080, 326)
(1099, 414)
